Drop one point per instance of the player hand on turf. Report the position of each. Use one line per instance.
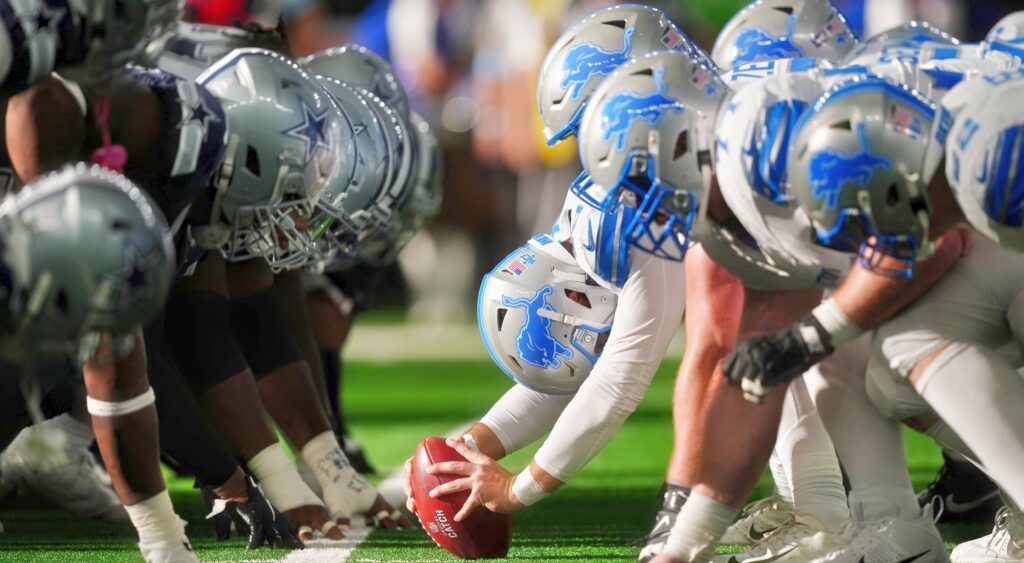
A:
(662, 558)
(760, 363)
(489, 484)
(305, 519)
(265, 524)
(387, 516)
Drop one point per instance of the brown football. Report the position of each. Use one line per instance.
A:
(482, 535)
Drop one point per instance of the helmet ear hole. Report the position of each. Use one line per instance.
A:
(845, 125)
(682, 145)
(892, 195)
(788, 10)
(252, 160)
(501, 317)
(578, 297)
(61, 301)
(621, 24)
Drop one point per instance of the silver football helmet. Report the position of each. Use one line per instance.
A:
(902, 42)
(114, 32)
(767, 30)
(383, 245)
(860, 164)
(646, 140)
(985, 155)
(287, 141)
(1007, 35)
(544, 321)
(187, 49)
(591, 50)
(84, 251)
(362, 68)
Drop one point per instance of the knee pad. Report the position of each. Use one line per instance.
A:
(262, 333)
(198, 332)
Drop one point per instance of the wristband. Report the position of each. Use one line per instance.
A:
(527, 489)
(838, 326)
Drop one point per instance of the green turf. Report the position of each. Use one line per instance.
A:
(392, 407)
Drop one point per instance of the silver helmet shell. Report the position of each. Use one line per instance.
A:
(115, 32)
(646, 140)
(859, 165)
(287, 142)
(542, 320)
(361, 68)
(985, 155)
(768, 30)
(902, 42)
(86, 252)
(1007, 36)
(591, 50)
(188, 49)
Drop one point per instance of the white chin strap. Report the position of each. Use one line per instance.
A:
(570, 320)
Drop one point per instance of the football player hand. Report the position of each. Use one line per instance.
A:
(306, 519)
(387, 516)
(410, 504)
(254, 516)
(776, 359)
(489, 484)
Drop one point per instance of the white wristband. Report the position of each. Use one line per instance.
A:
(839, 327)
(97, 407)
(527, 489)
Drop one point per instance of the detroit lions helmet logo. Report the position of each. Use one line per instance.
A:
(587, 60)
(830, 171)
(624, 108)
(755, 44)
(535, 344)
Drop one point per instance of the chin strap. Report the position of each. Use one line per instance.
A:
(110, 156)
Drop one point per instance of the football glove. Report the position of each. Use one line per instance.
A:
(760, 363)
(256, 517)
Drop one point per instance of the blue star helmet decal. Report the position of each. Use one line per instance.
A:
(621, 110)
(829, 171)
(311, 131)
(535, 344)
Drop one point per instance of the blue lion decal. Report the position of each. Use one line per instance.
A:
(829, 171)
(586, 60)
(624, 108)
(755, 44)
(535, 344)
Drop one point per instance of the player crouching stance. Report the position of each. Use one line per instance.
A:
(87, 261)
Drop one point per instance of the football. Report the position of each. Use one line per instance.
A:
(483, 535)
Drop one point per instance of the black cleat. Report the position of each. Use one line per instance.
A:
(964, 492)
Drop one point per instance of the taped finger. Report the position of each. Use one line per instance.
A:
(305, 533)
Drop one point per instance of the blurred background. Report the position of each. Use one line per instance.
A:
(470, 67)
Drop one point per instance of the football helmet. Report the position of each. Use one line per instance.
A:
(543, 320)
(84, 251)
(768, 30)
(860, 164)
(113, 33)
(901, 43)
(287, 142)
(1007, 36)
(646, 140)
(362, 68)
(187, 49)
(591, 50)
(423, 203)
(985, 156)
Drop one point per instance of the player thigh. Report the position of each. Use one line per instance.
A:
(969, 304)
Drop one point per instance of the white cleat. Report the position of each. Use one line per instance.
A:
(177, 553)
(759, 519)
(890, 540)
(73, 480)
(1003, 545)
(795, 542)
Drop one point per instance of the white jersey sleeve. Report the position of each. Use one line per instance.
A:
(522, 415)
(649, 311)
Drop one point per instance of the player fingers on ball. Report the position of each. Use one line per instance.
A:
(305, 520)
(410, 504)
(452, 467)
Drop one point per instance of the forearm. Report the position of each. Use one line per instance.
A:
(869, 299)
(520, 417)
